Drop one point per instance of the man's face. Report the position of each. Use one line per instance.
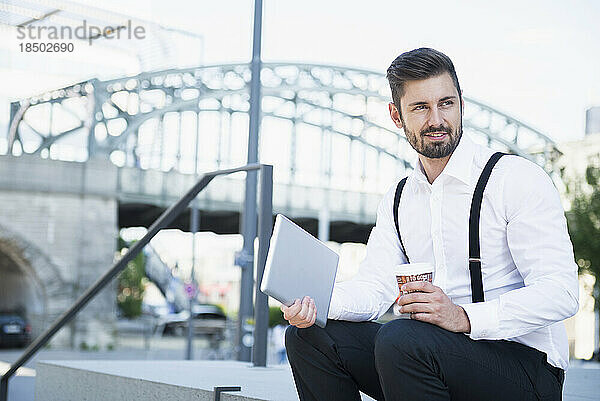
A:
(430, 115)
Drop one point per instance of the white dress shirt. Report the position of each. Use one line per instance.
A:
(528, 268)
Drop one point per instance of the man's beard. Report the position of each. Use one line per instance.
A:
(434, 149)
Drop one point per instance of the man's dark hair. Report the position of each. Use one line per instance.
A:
(415, 65)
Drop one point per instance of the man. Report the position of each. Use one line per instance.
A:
(511, 346)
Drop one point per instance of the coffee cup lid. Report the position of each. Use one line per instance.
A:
(414, 268)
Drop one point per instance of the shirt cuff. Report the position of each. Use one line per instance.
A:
(484, 320)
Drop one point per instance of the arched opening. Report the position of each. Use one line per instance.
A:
(30, 284)
(21, 291)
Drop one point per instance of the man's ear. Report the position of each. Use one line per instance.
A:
(395, 115)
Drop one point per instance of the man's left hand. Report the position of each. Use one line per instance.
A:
(430, 304)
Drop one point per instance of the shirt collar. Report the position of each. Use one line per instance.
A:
(459, 165)
(419, 173)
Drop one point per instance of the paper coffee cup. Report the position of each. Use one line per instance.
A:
(411, 272)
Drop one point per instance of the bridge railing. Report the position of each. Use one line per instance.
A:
(261, 312)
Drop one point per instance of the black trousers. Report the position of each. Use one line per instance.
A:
(411, 360)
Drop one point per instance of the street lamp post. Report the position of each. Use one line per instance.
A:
(246, 257)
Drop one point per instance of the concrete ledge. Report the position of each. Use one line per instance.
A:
(160, 380)
(195, 380)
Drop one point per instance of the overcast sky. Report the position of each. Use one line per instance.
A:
(536, 60)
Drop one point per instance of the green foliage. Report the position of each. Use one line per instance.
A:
(584, 224)
(86, 347)
(276, 316)
(131, 287)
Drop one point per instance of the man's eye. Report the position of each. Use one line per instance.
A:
(447, 103)
(419, 107)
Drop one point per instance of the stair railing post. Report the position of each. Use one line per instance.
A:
(261, 306)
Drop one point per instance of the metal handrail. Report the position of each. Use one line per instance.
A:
(261, 316)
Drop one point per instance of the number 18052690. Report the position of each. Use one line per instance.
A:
(46, 47)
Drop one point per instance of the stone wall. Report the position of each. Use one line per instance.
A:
(59, 230)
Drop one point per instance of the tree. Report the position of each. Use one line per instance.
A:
(276, 316)
(131, 287)
(584, 225)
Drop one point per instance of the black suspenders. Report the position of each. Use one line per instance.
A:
(474, 250)
(474, 254)
(399, 189)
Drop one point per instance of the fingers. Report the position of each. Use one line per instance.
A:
(422, 297)
(314, 317)
(418, 308)
(423, 286)
(307, 315)
(306, 303)
(423, 317)
(308, 319)
(289, 312)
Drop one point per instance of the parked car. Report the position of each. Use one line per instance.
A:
(14, 330)
(209, 321)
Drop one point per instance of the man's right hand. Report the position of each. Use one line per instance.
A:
(300, 314)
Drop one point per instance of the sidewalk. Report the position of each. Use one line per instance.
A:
(195, 380)
(582, 383)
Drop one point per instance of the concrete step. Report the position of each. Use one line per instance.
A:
(195, 380)
(160, 380)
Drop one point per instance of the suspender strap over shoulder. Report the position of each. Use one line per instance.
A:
(397, 196)
(474, 250)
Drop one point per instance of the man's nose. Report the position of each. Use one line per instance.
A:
(435, 117)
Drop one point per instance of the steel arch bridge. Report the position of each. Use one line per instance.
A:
(322, 126)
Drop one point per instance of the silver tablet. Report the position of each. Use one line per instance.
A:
(297, 265)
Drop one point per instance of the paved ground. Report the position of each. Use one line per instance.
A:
(187, 380)
(130, 347)
(582, 383)
(583, 380)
